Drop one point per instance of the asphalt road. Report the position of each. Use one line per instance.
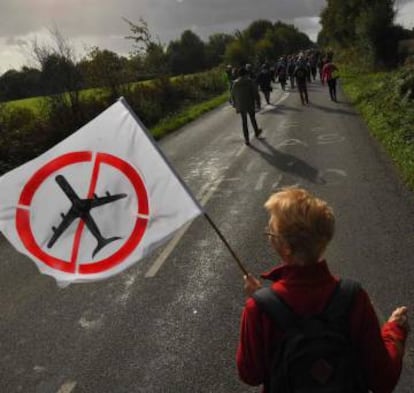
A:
(170, 323)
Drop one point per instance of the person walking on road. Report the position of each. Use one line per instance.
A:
(300, 228)
(301, 75)
(329, 74)
(252, 76)
(244, 96)
(264, 81)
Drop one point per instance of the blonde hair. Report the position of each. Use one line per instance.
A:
(304, 222)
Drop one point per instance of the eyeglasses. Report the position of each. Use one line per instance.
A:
(269, 233)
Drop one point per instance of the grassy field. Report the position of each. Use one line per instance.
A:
(36, 103)
(389, 113)
(187, 115)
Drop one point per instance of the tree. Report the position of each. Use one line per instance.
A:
(241, 50)
(258, 29)
(15, 85)
(365, 25)
(186, 55)
(104, 68)
(61, 80)
(140, 35)
(216, 48)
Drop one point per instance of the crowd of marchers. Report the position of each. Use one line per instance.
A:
(296, 71)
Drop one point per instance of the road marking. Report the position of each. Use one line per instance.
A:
(249, 166)
(292, 142)
(176, 239)
(330, 138)
(332, 174)
(260, 181)
(276, 184)
(240, 151)
(67, 387)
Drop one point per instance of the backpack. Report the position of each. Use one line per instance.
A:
(316, 354)
(301, 73)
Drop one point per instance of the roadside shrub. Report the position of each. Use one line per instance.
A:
(24, 134)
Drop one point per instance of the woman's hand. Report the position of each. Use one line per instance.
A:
(251, 284)
(400, 317)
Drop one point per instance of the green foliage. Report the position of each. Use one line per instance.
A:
(24, 134)
(186, 55)
(258, 29)
(216, 48)
(386, 101)
(262, 41)
(366, 25)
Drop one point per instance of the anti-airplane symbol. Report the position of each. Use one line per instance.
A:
(81, 209)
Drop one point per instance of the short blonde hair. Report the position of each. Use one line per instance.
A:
(304, 222)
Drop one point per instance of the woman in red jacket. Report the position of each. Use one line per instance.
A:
(299, 229)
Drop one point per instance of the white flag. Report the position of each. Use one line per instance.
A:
(97, 202)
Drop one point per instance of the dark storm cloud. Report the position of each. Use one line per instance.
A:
(100, 17)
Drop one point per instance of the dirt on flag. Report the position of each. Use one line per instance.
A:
(97, 202)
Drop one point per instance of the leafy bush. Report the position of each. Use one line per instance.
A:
(24, 134)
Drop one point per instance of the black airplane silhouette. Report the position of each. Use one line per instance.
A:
(81, 209)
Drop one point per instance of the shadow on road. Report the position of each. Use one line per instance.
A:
(333, 110)
(288, 163)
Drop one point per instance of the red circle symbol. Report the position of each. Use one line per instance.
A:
(24, 228)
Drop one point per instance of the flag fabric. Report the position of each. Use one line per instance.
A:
(95, 203)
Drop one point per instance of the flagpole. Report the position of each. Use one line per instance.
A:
(221, 236)
(178, 177)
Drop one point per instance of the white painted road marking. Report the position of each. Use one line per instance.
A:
(176, 239)
(260, 181)
(67, 387)
(276, 184)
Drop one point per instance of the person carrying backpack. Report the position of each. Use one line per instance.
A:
(300, 74)
(329, 74)
(311, 332)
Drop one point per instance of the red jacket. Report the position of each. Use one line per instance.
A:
(307, 290)
(327, 71)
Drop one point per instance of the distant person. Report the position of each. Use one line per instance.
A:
(291, 71)
(244, 95)
(313, 65)
(329, 74)
(310, 331)
(301, 75)
(281, 72)
(264, 81)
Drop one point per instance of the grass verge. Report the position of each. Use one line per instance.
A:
(388, 113)
(186, 115)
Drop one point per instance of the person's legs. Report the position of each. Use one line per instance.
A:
(257, 130)
(302, 94)
(334, 89)
(331, 89)
(292, 82)
(266, 93)
(257, 99)
(305, 91)
(245, 127)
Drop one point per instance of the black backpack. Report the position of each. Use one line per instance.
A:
(316, 354)
(301, 73)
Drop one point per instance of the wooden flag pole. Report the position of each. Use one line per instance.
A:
(234, 255)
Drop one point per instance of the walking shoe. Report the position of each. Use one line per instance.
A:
(258, 132)
(247, 143)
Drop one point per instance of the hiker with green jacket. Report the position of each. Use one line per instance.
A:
(244, 93)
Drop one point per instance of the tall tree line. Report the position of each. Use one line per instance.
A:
(58, 71)
(365, 26)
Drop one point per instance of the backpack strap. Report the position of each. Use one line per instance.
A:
(335, 313)
(342, 299)
(275, 308)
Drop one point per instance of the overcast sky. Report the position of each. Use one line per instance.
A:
(99, 22)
